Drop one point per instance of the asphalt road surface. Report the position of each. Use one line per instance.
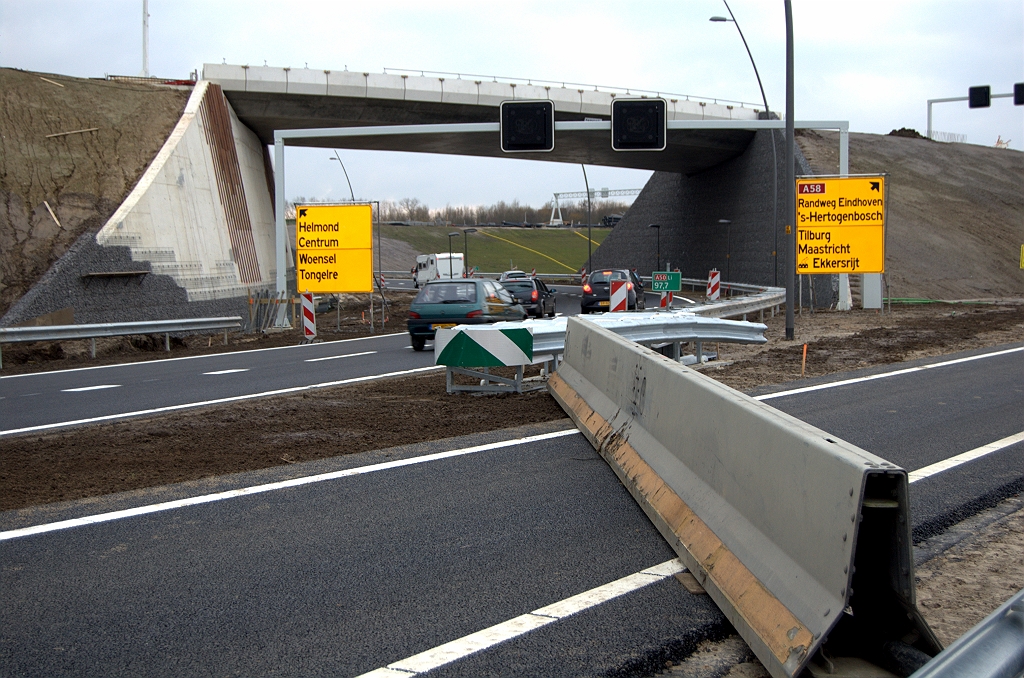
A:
(392, 554)
(52, 399)
(83, 395)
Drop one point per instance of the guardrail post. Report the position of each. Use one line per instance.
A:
(698, 351)
(92, 347)
(167, 341)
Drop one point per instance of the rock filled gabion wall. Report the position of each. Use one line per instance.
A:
(692, 212)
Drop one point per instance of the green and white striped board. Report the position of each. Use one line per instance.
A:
(483, 347)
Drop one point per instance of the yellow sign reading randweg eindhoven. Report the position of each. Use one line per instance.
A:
(840, 225)
(334, 248)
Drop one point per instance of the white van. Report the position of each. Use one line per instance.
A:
(438, 266)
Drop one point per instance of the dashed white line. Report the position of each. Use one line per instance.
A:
(218, 401)
(197, 357)
(239, 369)
(98, 387)
(895, 373)
(964, 457)
(523, 624)
(270, 487)
(335, 357)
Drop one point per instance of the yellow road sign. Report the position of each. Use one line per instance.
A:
(334, 248)
(840, 225)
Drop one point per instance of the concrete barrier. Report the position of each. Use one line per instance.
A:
(798, 536)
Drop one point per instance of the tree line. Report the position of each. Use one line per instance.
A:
(412, 210)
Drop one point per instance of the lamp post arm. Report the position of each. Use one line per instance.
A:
(752, 62)
(350, 191)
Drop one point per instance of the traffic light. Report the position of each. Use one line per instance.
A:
(1018, 94)
(979, 97)
(527, 126)
(639, 124)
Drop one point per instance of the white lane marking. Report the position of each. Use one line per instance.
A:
(523, 624)
(335, 357)
(89, 388)
(238, 369)
(197, 357)
(896, 373)
(270, 487)
(964, 457)
(218, 401)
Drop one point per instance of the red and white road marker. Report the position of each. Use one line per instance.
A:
(714, 283)
(666, 300)
(308, 316)
(619, 295)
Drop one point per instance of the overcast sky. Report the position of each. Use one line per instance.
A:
(873, 63)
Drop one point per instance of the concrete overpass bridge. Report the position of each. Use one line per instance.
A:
(267, 99)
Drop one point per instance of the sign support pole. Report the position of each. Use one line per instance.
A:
(845, 296)
(279, 208)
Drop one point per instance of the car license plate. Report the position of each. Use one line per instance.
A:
(442, 326)
(604, 303)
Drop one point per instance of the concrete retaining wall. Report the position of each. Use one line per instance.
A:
(200, 221)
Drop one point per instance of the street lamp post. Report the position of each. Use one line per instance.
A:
(658, 231)
(790, 179)
(590, 241)
(775, 162)
(451, 269)
(465, 249)
(350, 191)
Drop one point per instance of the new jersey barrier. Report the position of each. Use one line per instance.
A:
(798, 536)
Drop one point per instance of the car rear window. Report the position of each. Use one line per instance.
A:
(605, 276)
(517, 285)
(447, 292)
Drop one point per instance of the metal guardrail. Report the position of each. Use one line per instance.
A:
(992, 649)
(92, 331)
(648, 327)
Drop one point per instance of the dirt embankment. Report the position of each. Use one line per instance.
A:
(83, 177)
(955, 212)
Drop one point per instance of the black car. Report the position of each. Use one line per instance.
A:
(597, 290)
(533, 295)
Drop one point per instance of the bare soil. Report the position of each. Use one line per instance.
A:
(84, 176)
(962, 586)
(955, 222)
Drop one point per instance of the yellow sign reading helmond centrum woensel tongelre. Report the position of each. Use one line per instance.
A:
(334, 248)
(840, 225)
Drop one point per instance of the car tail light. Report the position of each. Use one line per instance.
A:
(587, 289)
(533, 295)
(414, 314)
(475, 314)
